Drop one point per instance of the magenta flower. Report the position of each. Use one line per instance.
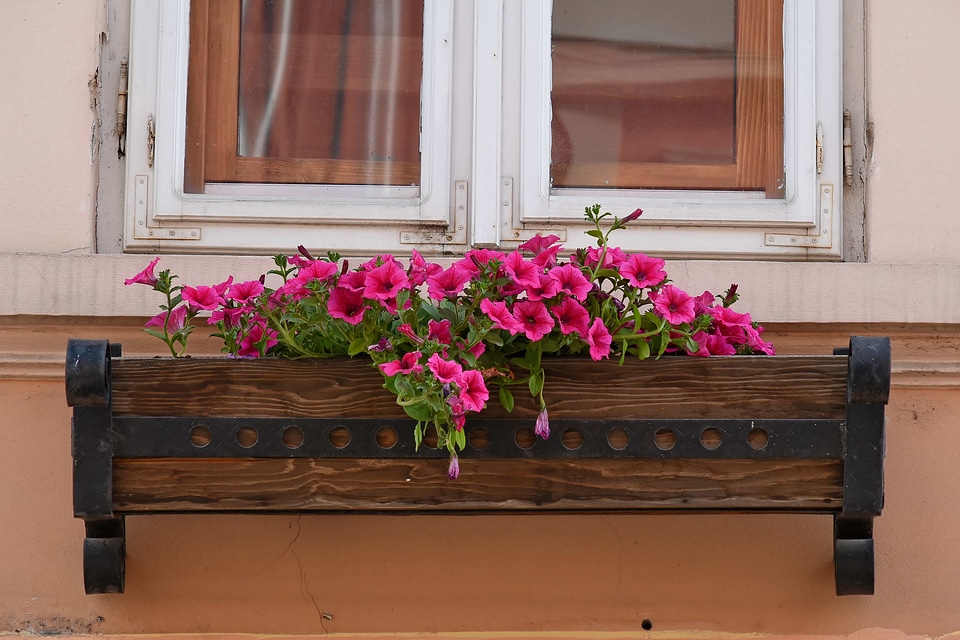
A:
(320, 270)
(146, 276)
(571, 281)
(257, 340)
(202, 297)
(385, 281)
(523, 273)
(406, 365)
(476, 259)
(229, 316)
(473, 390)
(534, 319)
(614, 257)
(448, 283)
(546, 288)
(174, 320)
(542, 427)
(439, 331)
(453, 470)
(538, 244)
(571, 317)
(643, 271)
(703, 302)
(632, 216)
(674, 305)
(755, 342)
(444, 371)
(500, 315)
(408, 331)
(346, 305)
(352, 280)
(599, 339)
(547, 259)
(420, 269)
(711, 345)
(243, 291)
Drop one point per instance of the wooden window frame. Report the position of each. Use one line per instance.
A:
(211, 154)
(758, 163)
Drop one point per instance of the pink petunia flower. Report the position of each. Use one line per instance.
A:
(547, 259)
(500, 315)
(385, 282)
(346, 305)
(408, 331)
(406, 365)
(352, 280)
(599, 339)
(243, 291)
(571, 317)
(674, 305)
(703, 302)
(444, 371)
(545, 289)
(756, 343)
(439, 331)
(146, 276)
(524, 273)
(571, 281)
(448, 283)
(534, 318)
(711, 345)
(319, 270)
(201, 297)
(538, 244)
(542, 426)
(473, 390)
(175, 320)
(475, 259)
(643, 271)
(257, 341)
(420, 269)
(614, 257)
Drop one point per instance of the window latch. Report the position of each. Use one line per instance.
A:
(151, 139)
(819, 148)
(122, 110)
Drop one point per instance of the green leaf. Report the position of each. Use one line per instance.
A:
(643, 350)
(494, 339)
(359, 345)
(536, 382)
(419, 411)
(594, 233)
(506, 398)
(417, 436)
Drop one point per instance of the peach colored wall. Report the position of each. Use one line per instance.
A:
(692, 576)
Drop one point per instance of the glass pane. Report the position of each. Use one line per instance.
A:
(643, 81)
(333, 80)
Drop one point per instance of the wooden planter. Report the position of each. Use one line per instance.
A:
(207, 435)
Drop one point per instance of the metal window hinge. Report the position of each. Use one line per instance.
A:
(819, 148)
(151, 139)
(142, 229)
(122, 110)
(454, 233)
(847, 149)
(821, 236)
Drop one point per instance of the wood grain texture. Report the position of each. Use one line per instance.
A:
(672, 387)
(265, 485)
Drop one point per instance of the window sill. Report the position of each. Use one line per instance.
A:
(773, 292)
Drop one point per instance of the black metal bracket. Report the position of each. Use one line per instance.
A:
(868, 390)
(87, 379)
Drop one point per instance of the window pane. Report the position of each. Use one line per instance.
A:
(651, 93)
(333, 80)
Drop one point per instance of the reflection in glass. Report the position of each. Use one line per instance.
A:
(643, 81)
(334, 80)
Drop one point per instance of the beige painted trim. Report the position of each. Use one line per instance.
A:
(774, 292)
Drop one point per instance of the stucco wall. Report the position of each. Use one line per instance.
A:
(691, 576)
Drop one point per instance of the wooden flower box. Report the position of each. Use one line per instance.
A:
(741, 434)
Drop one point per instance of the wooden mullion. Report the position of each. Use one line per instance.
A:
(193, 171)
(223, 57)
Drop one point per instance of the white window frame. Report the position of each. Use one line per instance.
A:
(807, 222)
(485, 143)
(160, 216)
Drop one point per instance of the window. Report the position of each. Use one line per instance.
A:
(385, 125)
